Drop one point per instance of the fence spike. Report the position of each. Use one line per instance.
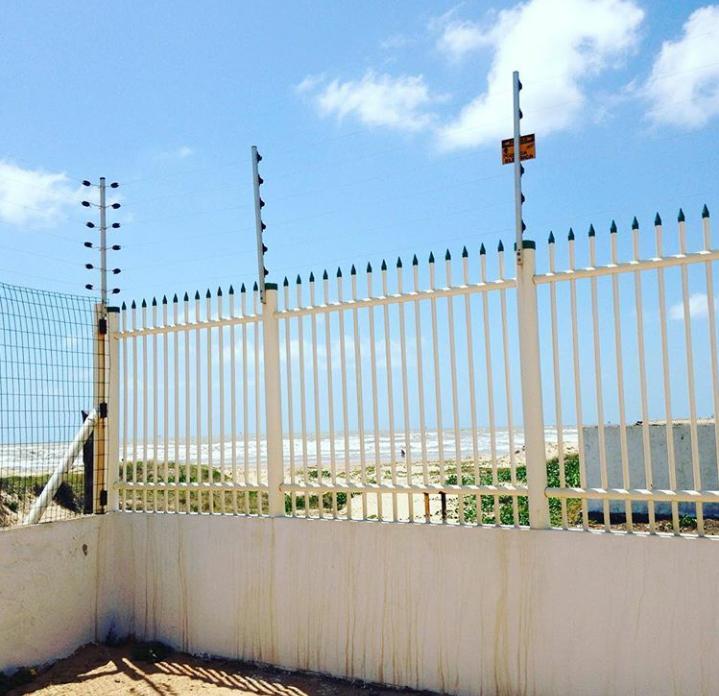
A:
(312, 277)
(383, 267)
(133, 305)
(500, 247)
(154, 302)
(231, 291)
(635, 223)
(657, 219)
(144, 303)
(482, 250)
(705, 211)
(174, 299)
(197, 294)
(324, 275)
(186, 298)
(431, 257)
(299, 280)
(415, 260)
(399, 262)
(208, 294)
(164, 299)
(124, 306)
(465, 253)
(680, 217)
(219, 292)
(551, 237)
(339, 272)
(243, 288)
(592, 233)
(255, 287)
(613, 228)
(353, 270)
(369, 267)
(447, 256)
(570, 236)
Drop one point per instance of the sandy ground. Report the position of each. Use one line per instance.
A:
(98, 670)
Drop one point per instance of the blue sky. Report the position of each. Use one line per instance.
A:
(379, 125)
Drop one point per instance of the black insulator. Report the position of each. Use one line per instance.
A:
(115, 247)
(115, 271)
(88, 245)
(85, 182)
(114, 184)
(90, 224)
(259, 157)
(88, 286)
(86, 204)
(115, 225)
(115, 206)
(266, 272)
(89, 266)
(260, 180)
(115, 291)
(264, 227)
(262, 203)
(264, 248)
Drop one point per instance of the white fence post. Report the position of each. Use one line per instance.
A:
(273, 404)
(113, 408)
(536, 458)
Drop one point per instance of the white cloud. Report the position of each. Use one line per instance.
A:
(33, 197)
(698, 307)
(683, 88)
(184, 152)
(556, 45)
(400, 102)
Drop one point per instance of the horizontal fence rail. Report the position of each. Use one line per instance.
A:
(579, 396)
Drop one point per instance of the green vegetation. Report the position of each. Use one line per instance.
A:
(506, 506)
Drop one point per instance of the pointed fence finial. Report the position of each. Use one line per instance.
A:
(613, 228)
(383, 267)
(174, 297)
(133, 305)
(312, 277)
(482, 250)
(399, 262)
(447, 256)
(635, 223)
(186, 298)
(339, 272)
(208, 294)
(415, 260)
(431, 257)
(231, 291)
(369, 267)
(197, 294)
(551, 237)
(124, 306)
(299, 280)
(324, 275)
(243, 288)
(465, 253)
(144, 303)
(255, 287)
(285, 282)
(219, 292)
(705, 211)
(592, 233)
(164, 299)
(154, 302)
(570, 236)
(353, 270)
(680, 217)
(500, 247)
(657, 219)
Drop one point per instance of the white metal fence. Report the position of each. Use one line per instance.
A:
(417, 396)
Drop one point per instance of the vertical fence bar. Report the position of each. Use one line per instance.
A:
(273, 404)
(390, 394)
(198, 403)
(316, 398)
(135, 340)
(233, 403)
(405, 393)
(691, 392)
(113, 408)
(125, 406)
(303, 395)
(378, 468)
(145, 414)
(646, 443)
(358, 381)
(210, 424)
(330, 393)
(166, 407)
(258, 429)
(532, 389)
(186, 318)
(100, 398)
(245, 402)
(345, 410)
(176, 402)
(290, 406)
(437, 384)
(221, 370)
(155, 418)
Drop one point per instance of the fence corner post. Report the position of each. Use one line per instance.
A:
(273, 403)
(113, 408)
(531, 378)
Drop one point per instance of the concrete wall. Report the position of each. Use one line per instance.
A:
(459, 610)
(49, 590)
(660, 466)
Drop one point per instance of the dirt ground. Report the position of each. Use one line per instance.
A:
(99, 670)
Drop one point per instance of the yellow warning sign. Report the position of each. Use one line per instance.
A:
(527, 149)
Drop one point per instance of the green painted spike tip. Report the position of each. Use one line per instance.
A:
(339, 272)
(415, 260)
(383, 267)
(154, 302)
(705, 211)
(500, 247)
(124, 306)
(133, 305)
(208, 294)
(399, 262)
(219, 292)
(144, 304)
(312, 277)
(369, 267)
(482, 250)
(431, 257)
(299, 280)
(164, 299)
(197, 294)
(613, 228)
(570, 236)
(186, 298)
(447, 256)
(465, 253)
(680, 217)
(285, 282)
(551, 238)
(592, 232)
(174, 298)
(255, 287)
(243, 288)
(657, 220)
(635, 223)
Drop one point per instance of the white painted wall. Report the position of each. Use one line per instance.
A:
(460, 610)
(48, 590)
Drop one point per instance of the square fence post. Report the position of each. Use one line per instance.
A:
(100, 389)
(533, 418)
(273, 403)
(113, 408)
